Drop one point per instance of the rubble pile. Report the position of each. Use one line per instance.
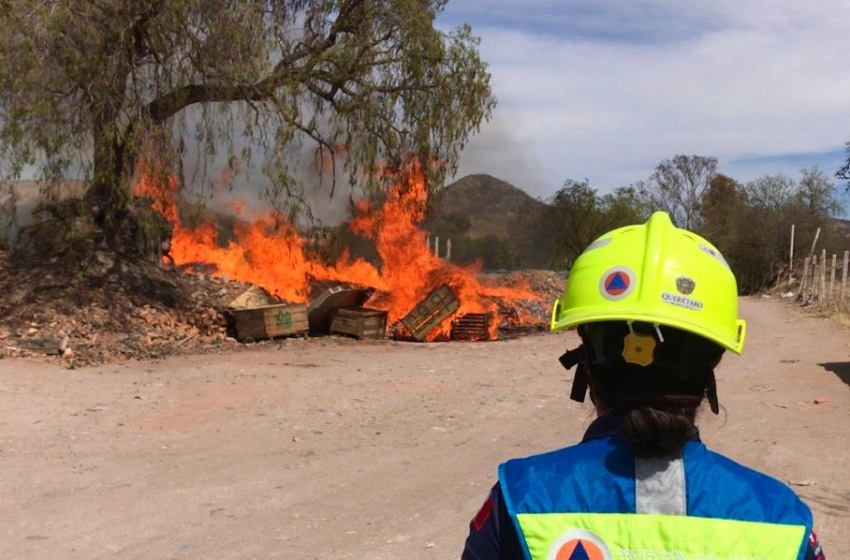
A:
(528, 315)
(112, 310)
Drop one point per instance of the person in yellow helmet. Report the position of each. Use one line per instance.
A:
(655, 307)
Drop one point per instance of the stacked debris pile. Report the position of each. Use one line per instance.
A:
(110, 309)
(530, 315)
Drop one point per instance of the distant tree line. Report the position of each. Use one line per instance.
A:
(750, 223)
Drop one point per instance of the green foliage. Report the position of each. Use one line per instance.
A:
(576, 215)
(751, 224)
(722, 203)
(492, 252)
(452, 225)
(90, 88)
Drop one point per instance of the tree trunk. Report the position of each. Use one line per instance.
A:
(109, 194)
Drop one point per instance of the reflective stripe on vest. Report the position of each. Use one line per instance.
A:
(596, 501)
(617, 536)
(660, 486)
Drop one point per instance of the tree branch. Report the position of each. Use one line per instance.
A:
(139, 28)
(161, 109)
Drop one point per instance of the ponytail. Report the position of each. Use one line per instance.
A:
(660, 430)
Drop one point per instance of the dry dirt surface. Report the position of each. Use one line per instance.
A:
(331, 448)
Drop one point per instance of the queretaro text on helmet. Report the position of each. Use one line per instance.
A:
(681, 301)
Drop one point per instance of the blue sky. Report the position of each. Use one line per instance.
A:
(607, 89)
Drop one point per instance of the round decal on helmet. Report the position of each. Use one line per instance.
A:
(617, 283)
(598, 244)
(579, 544)
(714, 253)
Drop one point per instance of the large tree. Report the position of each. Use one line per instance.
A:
(576, 215)
(678, 186)
(93, 87)
(720, 208)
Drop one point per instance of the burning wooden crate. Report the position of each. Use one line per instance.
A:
(321, 310)
(471, 326)
(431, 311)
(270, 321)
(359, 322)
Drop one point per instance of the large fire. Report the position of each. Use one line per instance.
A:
(269, 252)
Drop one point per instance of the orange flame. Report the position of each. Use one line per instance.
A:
(270, 253)
(411, 271)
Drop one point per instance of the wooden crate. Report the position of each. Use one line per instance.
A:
(359, 322)
(321, 309)
(431, 311)
(472, 326)
(270, 321)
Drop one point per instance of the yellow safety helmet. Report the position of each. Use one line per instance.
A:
(655, 273)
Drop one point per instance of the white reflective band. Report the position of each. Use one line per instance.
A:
(660, 486)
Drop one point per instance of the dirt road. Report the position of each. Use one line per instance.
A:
(339, 449)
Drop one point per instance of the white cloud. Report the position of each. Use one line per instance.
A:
(757, 79)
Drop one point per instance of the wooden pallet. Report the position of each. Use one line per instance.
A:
(359, 322)
(270, 321)
(471, 326)
(431, 311)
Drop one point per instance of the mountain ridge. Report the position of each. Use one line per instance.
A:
(491, 220)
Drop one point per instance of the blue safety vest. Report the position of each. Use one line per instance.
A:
(579, 503)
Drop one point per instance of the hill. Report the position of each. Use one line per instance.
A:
(491, 205)
(490, 219)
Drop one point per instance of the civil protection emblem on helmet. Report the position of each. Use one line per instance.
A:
(579, 544)
(617, 283)
(685, 285)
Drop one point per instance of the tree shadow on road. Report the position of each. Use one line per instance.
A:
(841, 369)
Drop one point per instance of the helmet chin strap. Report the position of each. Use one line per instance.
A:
(570, 359)
(578, 392)
(711, 393)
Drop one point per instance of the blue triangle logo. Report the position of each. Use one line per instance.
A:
(617, 282)
(579, 553)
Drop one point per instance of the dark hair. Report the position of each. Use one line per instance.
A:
(661, 428)
(658, 401)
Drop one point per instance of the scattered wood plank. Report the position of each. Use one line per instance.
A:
(48, 346)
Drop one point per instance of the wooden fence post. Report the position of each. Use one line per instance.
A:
(804, 280)
(832, 279)
(823, 299)
(791, 256)
(844, 279)
(813, 282)
(815, 242)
